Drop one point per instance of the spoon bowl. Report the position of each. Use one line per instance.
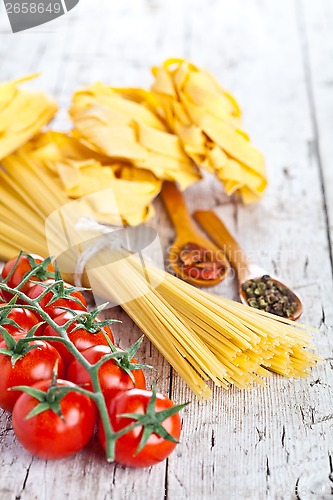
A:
(245, 270)
(189, 236)
(256, 273)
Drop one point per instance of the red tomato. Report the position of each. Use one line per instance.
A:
(23, 267)
(48, 436)
(37, 290)
(81, 338)
(113, 378)
(23, 317)
(157, 448)
(34, 366)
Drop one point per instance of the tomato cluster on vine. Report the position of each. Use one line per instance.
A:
(62, 376)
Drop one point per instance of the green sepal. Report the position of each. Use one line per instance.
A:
(8, 338)
(151, 421)
(7, 321)
(30, 334)
(87, 320)
(44, 400)
(156, 429)
(40, 408)
(168, 412)
(17, 349)
(32, 391)
(5, 309)
(42, 265)
(5, 352)
(29, 337)
(147, 432)
(19, 355)
(64, 293)
(49, 400)
(39, 270)
(123, 358)
(47, 289)
(58, 290)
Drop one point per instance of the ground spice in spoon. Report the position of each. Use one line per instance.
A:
(267, 294)
(200, 263)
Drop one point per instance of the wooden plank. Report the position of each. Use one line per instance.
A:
(264, 442)
(315, 25)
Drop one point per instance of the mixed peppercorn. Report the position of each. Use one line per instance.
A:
(269, 295)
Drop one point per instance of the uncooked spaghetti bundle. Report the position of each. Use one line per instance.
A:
(204, 337)
(122, 124)
(207, 120)
(22, 114)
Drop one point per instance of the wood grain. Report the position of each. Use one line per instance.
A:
(276, 57)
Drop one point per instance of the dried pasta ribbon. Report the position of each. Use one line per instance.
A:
(122, 124)
(22, 114)
(120, 193)
(207, 119)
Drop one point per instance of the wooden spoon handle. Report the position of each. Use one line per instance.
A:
(218, 232)
(176, 207)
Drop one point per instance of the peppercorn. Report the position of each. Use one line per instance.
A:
(266, 294)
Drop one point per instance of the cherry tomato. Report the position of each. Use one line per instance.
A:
(37, 290)
(23, 317)
(23, 267)
(113, 378)
(34, 366)
(81, 338)
(156, 448)
(48, 436)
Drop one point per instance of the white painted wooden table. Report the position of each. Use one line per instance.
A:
(276, 56)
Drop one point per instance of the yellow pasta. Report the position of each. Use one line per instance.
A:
(207, 120)
(74, 171)
(123, 124)
(203, 336)
(22, 114)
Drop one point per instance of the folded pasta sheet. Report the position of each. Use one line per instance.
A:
(22, 114)
(207, 120)
(122, 124)
(118, 192)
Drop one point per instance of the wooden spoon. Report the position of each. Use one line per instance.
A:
(245, 269)
(187, 233)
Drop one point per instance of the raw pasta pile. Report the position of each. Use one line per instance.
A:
(207, 120)
(132, 139)
(81, 172)
(22, 114)
(122, 124)
(124, 143)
